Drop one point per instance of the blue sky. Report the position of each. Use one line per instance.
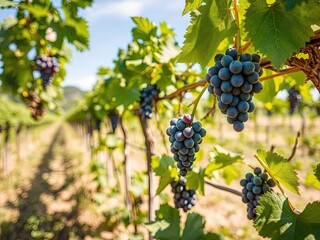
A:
(110, 28)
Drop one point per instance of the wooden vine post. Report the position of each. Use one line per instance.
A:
(150, 151)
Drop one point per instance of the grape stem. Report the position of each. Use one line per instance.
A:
(238, 35)
(223, 188)
(196, 101)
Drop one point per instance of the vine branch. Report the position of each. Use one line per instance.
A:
(223, 188)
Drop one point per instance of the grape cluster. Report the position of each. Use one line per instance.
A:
(294, 100)
(114, 120)
(234, 81)
(183, 198)
(254, 186)
(47, 66)
(147, 95)
(185, 138)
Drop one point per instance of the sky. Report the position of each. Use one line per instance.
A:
(110, 29)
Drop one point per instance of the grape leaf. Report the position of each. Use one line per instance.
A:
(279, 168)
(317, 172)
(212, 236)
(35, 9)
(277, 33)
(269, 91)
(191, 5)
(193, 228)
(164, 167)
(210, 25)
(195, 180)
(144, 30)
(230, 173)
(169, 226)
(276, 220)
(220, 158)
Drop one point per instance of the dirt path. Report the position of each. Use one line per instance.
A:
(48, 205)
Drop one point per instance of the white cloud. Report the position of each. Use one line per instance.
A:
(118, 9)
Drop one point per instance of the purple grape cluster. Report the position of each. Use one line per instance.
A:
(183, 198)
(47, 66)
(185, 137)
(147, 95)
(294, 100)
(254, 186)
(234, 80)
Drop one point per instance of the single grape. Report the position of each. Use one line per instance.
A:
(245, 57)
(232, 52)
(237, 80)
(226, 98)
(243, 106)
(238, 126)
(188, 132)
(243, 117)
(251, 107)
(257, 181)
(224, 73)
(196, 126)
(232, 112)
(257, 87)
(213, 71)
(253, 78)
(226, 60)
(218, 57)
(256, 58)
(246, 87)
(226, 86)
(248, 68)
(215, 81)
(235, 67)
(189, 143)
(257, 171)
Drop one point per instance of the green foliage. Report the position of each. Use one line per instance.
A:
(220, 158)
(276, 219)
(209, 27)
(167, 226)
(317, 172)
(195, 180)
(191, 5)
(279, 169)
(275, 39)
(165, 168)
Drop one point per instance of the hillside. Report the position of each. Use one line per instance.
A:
(71, 96)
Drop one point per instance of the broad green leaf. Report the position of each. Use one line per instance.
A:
(280, 169)
(276, 219)
(195, 180)
(230, 173)
(7, 3)
(210, 25)
(220, 158)
(168, 51)
(164, 168)
(169, 226)
(193, 228)
(161, 165)
(277, 33)
(191, 5)
(317, 172)
(144, 30)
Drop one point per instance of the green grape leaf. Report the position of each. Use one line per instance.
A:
(280, 169)
(191, 5)
(7, 3)
(195, 180)
(193, 228)
(164, 167)
(230, 173)
(37, 10)
(317, 172)
(275, 39)
(290, 4)
(311, 180)
(220, 158)
(167, 52)
(167, 224)
(276, 220)
(210, 25)
(144, 30)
